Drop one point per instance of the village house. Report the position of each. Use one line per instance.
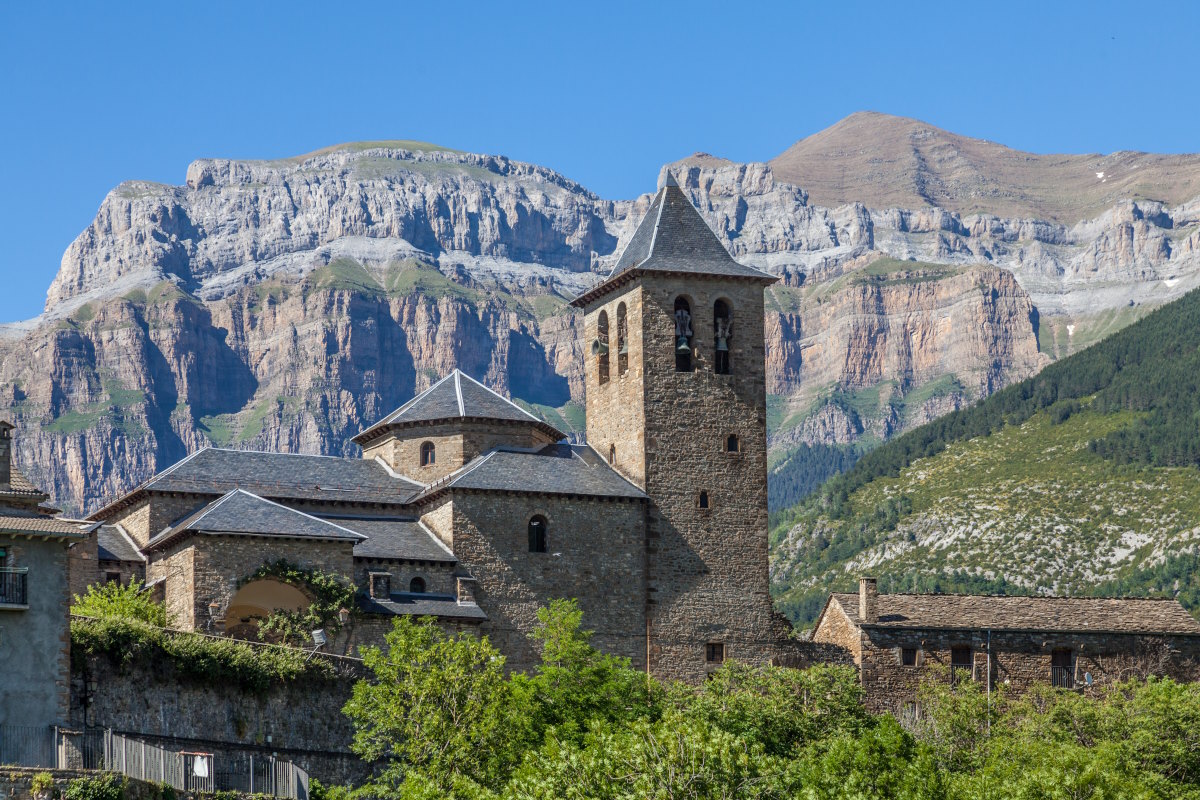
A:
(35, 651)
(898, 640)
(467, 508)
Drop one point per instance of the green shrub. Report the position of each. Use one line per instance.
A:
(43, 783)
(114, 601)
(213, 661)
(166, 791)
(99, 787)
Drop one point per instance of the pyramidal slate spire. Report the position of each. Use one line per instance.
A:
(674, 238)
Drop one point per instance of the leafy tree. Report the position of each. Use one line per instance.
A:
(437, 705)
(114, 601)
(575, 684)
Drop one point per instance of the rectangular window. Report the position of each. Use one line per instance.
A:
(908, 656)
(961, 660)
(112, 577)
(714, 652)
(1062, 669)
(381, 585)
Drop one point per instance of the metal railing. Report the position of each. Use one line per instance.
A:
(14, 586)
(183, 770)
(1062, 677)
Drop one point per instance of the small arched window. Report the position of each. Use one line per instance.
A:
(702, 500)
(612, 454)
(722, 333)
(537, 534)
(417, 585)
(600, 346)
(622, 340)
(428, 454)
(732, 444)
(683, 335)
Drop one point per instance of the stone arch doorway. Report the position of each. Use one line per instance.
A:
(255, 601)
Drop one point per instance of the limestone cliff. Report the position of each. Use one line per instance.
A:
(287, 304)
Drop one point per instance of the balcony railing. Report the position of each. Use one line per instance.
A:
(1062, 677)
(14, 586)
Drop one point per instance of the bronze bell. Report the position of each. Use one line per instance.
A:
(599, 348)
(682, 346)
(624, 351)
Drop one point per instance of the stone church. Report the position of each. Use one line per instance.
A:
(466, 508)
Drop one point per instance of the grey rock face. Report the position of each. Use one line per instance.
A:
(288, 304)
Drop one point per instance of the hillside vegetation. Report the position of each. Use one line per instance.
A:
(1081, 480)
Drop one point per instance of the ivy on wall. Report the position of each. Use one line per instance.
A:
(329, 595)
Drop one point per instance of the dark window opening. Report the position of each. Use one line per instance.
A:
(908, 656)
(683, 335)
(537, 534)
(381, 585)
(622, 340)
(600, 346)
(722, 334)
(702, 500)
(731, 444)
(714, 652)
(112, 577)
(961, 659)
(417, 585)
(1062, 669)
(428, 454)
(612, 454)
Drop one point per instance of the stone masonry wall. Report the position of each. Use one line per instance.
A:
(455, 444)
(616, 408)
(1018, 660)
(708, 567)
(595, 555)
(301, 720)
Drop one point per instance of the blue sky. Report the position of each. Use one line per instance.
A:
(96, 93)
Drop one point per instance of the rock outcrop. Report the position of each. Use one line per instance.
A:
(288, 304)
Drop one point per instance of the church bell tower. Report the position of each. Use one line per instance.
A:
(676, 401)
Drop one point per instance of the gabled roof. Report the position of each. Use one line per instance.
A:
(26, 521)
(394, 538)
(290, 476)
(554, 469)
(240, 512)
(673, 238)
(114, 544)
(1134, 615)
(457, 396)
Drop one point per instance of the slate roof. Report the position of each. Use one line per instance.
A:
(423, 605)
(394, 537)
(28, 521)
(673, 237)
(1064, 614)
(289, 476)
(240, 512)
(115, 545)
(457, 396)
(554, 469)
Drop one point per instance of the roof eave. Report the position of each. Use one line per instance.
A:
(614, 282)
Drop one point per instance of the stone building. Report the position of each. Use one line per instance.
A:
(34, 596)
(469, 509)
(898, 640)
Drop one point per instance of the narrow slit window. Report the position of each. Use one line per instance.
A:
(600, 347)
(683, 335)
(537, 534)
(622, 340)
(722, 333)
(732, 445)
(702, 500)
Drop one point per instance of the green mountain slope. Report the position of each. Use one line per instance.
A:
(1081, 480)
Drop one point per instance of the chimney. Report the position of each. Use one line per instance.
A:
(868, 600)
(6, 429)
